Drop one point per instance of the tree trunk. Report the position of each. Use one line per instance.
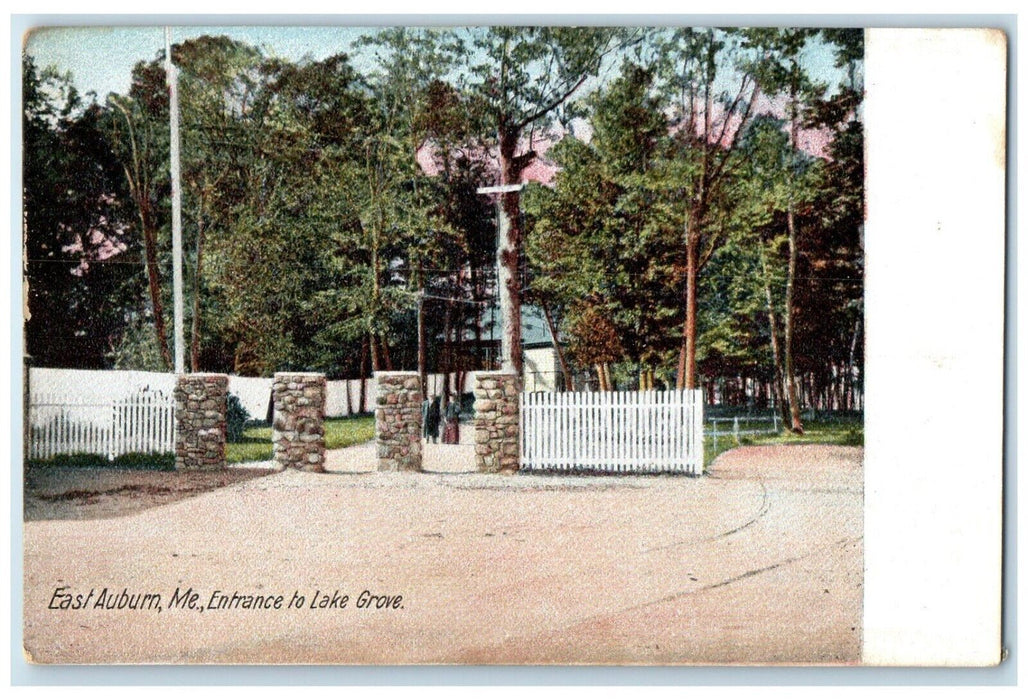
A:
(509, 252)
(140, 193)
(364, 376)
(779, 393)
(569, 381)
(686, 378)
(790, 220)
(790, 379)
(154, 283)
(194, 339)
(373, 349)
(384, 345)
(852, 369)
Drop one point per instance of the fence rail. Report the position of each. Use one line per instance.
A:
(617, 431)
(143, 422)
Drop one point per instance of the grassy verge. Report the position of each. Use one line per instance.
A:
(339, 432)
(849, 431)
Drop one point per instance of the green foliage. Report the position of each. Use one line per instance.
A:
(311, 228)
(137, 349)
(235, 418)
(524, 75)
(140, 460)
(132, 460)
(74, 218)
(601, 242)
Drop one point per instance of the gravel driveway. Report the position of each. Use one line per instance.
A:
(759, 562)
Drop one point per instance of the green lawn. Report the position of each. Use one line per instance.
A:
(849, 431)
(339, 432)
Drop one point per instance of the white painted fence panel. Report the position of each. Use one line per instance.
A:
(142, 422)
(638, 432)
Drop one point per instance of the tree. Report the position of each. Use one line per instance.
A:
(834, 334)
(385, 211)
(782, 73)
(522, 77)
(694, 65)
(140, 145)
(79, 269)
(602, 237)
(218, 78)
(418, 107)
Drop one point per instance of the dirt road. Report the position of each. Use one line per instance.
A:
(759, 562)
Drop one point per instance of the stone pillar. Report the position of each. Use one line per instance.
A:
(200, 404)
(398, 421)
(497, 444)
(298, 428)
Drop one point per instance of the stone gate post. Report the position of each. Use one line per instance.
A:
(298, 428)
(497, 432)
(201, 401)
(398, 421)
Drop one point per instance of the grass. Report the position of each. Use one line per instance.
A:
(848, 431)
(255, 446)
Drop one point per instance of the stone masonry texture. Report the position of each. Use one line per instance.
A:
(298, 428)
(497, 445)
(200, 404)
(398, 421)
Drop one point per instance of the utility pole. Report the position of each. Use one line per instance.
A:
(504, 248)
(176, 209)
(422, 373)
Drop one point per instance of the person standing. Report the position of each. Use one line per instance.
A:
(451, 431)
(432, 421)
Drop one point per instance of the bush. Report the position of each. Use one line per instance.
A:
(235, 419)
(143, 460)
(132, 460)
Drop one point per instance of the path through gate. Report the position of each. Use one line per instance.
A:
(617, 431)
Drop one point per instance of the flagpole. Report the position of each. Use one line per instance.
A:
(176, 209)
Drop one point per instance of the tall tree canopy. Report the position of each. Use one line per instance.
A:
(691, 234)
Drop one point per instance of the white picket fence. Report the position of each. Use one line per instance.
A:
(616, 431)
(142, 422)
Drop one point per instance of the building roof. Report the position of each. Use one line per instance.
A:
(535, 332)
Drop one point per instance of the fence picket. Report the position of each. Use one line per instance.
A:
(143, 422)
(615, 432)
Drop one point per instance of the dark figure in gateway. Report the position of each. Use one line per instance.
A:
(431, 417)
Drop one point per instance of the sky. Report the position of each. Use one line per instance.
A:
(100, 59)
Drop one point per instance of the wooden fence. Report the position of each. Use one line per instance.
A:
(142, 422)
(617, 431)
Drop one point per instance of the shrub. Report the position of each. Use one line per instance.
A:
(144, 460)
(235, 418)
(132, 460)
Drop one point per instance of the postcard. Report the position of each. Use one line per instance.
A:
(515, 345)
